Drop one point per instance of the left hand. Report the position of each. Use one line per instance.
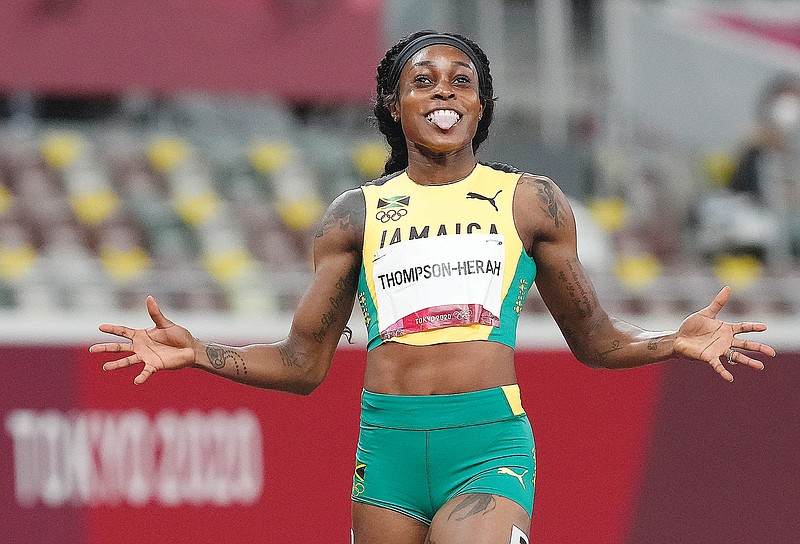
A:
(705, 338)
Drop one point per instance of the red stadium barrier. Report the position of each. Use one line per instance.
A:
(87, 457)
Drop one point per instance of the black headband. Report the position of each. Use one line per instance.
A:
(414, 46)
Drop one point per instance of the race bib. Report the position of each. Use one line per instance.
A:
(443, 281)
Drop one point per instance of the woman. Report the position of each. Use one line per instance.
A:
(440, 253)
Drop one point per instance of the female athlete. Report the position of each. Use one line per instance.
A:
(440, 253)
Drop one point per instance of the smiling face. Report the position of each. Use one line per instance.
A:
(438, 102)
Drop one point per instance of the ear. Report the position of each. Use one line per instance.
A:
(394, 109)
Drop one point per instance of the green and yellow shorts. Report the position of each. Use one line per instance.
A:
(415, 453)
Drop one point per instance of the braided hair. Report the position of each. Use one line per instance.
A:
(393, 131)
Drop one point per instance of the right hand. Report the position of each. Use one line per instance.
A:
(166, 346)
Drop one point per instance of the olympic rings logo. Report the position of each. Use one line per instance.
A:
(462, 315)
(384, 216)
(358, 489)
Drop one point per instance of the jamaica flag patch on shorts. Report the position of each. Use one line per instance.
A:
(358, 479)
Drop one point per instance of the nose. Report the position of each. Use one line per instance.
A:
(443, 91)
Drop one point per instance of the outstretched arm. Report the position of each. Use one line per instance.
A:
(547, 226)
(297, 363)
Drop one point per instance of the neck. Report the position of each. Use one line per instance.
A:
(426, 168)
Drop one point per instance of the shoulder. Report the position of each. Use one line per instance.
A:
(541, 210)
(534, 189)
(343, 221)
(383, 179)
(502, 167)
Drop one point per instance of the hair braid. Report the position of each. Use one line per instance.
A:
(393, 131)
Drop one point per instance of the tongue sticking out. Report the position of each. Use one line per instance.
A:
(444, 120)
(445, 123)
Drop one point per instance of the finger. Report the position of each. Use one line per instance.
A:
(119, 330)
(110, 347)
(740, 358)
(146, 372)
(155, 313)
(122, 363)
(719, 302)
(720, 369)
(749, 327)
(751, 345)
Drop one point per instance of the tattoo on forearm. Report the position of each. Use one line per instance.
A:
(289, 357)
(218, 357)
(344, 292)
(652, 345)
(474, 503)
(616, 345)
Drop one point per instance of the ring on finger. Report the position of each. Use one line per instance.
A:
(730, 356)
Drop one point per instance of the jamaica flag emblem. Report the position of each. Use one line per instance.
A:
(394, 202)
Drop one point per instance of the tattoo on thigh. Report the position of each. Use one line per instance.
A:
(474, 503)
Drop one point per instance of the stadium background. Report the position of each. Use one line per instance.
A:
(186, 149)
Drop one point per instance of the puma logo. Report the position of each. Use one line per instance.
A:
(490, 200)
(506, 470)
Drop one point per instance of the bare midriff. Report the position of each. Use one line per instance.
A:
(441, 369)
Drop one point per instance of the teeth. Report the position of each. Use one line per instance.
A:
(444, 119)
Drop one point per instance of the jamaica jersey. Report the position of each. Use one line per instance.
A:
(443, 263)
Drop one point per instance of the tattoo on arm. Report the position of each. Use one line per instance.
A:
(474, 503)
(346, 216)
(546, 193)
(219, 356)
(652, 345)
(344, 291)
(216, 355)
(289, 357)
(615, 346)
(579, 289)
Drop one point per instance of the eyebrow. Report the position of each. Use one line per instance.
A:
(456, 62)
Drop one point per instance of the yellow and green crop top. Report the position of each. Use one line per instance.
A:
(443, 263)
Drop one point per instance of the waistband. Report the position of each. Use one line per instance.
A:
(428, 412)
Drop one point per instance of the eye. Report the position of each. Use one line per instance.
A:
(462, 80)
(422, 79)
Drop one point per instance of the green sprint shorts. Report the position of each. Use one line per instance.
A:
(415, 453)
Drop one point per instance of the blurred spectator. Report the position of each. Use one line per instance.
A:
(758, 211)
